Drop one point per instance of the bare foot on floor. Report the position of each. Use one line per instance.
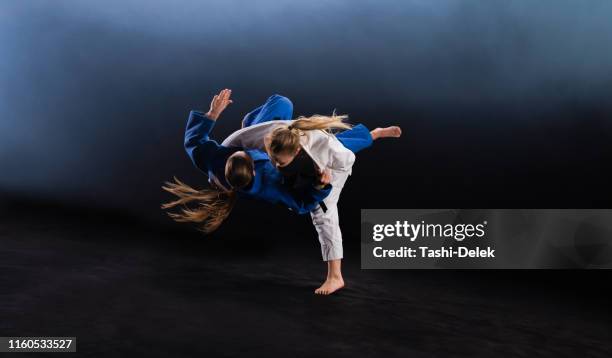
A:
(330, 286)
(393, 131)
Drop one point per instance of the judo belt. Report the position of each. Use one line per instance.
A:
(323, 206)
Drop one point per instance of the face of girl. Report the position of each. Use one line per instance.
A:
(283, 159)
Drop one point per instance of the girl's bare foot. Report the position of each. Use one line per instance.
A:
(393, 131)
(334, 280)
(331, 285)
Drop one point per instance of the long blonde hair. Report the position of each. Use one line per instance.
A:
(286, 137)
(215, 203)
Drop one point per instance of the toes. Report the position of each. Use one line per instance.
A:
(326, 289)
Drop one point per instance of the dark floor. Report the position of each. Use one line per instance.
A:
(126, 287)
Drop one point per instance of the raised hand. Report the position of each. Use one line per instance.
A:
(219, 103)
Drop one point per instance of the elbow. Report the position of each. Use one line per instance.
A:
(188, 146)
(190, 149)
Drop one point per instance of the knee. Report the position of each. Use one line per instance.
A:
(278, 97)
(282, 101)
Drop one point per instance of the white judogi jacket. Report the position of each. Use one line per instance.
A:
(327, 152)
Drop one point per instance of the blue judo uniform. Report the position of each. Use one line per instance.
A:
(210, 157)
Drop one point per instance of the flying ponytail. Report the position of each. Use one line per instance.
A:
(318, 121)
(214, 204)
(286, 138)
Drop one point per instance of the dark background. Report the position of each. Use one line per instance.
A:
(503, 104)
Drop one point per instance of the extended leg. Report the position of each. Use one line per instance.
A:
(356, 139)
(249, 117)
(360, 137)
(330, 237)
(276, 107)
(327, 225)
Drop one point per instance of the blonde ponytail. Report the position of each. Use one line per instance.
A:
(320, 122)
(214, 205)
(286, 138)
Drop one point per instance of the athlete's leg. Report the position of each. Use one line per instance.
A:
(326, 222)
(356, 138)
(360, 137)
(327, 225)
(276, 107)
(330, 236)
(249, 117)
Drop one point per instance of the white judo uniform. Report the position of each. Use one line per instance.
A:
(327, 152)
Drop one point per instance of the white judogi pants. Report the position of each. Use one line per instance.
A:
(327, 222)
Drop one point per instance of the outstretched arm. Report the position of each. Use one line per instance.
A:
(198, 145)
(219, 103)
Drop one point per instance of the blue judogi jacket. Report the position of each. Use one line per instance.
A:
(210, 157)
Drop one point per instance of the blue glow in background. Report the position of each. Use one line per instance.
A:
(492, 95)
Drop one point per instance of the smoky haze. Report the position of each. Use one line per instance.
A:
(94, 95)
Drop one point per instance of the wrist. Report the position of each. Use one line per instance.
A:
(211, 115)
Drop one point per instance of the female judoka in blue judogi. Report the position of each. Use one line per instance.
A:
(233, 169)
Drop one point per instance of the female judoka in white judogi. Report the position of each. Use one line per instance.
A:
(236, 171)
(300, 149)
